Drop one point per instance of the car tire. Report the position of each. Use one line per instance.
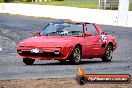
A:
(28, 61)
(75, 57)
(108, 54)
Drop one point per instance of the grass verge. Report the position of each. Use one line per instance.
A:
(130, 6)
(92, 5)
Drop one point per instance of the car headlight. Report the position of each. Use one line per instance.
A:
(56, 52)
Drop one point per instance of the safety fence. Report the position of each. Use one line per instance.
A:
(106, 17)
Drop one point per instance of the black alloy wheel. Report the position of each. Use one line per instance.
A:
(75, 57)
(108, 54)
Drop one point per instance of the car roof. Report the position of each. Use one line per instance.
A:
(69, 21)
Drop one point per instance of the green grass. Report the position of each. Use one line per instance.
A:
(93, 5)
(130, 6)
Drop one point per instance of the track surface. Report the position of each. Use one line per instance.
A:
(14, 28)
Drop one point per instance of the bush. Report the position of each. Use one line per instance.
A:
(1, 0)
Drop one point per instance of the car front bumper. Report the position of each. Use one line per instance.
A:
(45, 53)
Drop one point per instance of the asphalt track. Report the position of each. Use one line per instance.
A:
(15, 28)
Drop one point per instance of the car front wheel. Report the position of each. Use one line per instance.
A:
(108, 54)
(75, 57)
(28, 61)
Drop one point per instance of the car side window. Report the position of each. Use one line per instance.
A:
(91, 28)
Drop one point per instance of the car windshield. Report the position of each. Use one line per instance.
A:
(62, 29)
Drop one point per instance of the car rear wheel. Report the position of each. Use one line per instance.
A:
(108, 54)
(75, 57)
(28, 61)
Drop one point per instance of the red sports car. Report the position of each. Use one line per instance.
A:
(73, 41)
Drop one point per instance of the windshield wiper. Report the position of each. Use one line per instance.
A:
(61, 33)
(74, 31)
(51, 33)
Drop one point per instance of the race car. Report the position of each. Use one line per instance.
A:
(68, 41)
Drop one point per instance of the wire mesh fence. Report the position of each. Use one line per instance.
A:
(109, 4)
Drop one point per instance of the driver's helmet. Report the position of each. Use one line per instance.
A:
(59, 26)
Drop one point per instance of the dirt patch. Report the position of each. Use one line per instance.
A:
(55, 83)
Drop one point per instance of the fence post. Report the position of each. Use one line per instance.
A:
(123, 12)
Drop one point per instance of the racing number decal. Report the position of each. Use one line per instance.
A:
(103, 38)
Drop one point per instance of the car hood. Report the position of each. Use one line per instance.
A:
(48, 41)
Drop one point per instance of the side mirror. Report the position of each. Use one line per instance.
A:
(105, 33)
(89, 34)
(37, 33)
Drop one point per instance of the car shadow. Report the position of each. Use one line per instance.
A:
(68, 63)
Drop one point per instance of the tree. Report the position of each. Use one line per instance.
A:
(1, 1)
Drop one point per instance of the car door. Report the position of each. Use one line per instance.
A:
(92, 42)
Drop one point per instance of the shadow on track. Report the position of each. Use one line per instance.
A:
(68, 63)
